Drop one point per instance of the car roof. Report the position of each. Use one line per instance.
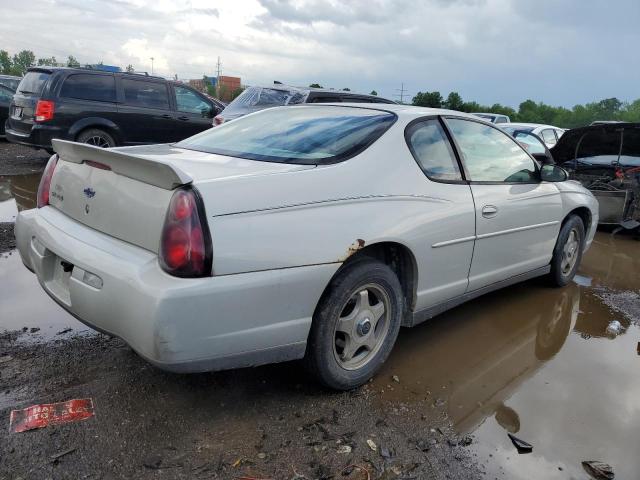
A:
(10, 76)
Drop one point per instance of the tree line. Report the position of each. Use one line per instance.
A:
(530, 111)
(18, 64)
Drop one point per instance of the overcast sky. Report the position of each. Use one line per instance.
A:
(561, 52)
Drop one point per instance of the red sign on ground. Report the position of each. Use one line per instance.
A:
(39, 416)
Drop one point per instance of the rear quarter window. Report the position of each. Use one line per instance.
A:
(99, 88)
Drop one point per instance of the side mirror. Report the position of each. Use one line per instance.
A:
(553, 173)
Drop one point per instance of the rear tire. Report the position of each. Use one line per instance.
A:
(355, 325)
(96, 137)
(567, 253)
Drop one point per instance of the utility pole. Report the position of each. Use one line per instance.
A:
(218, 72)
(402, 92)
(151, 65)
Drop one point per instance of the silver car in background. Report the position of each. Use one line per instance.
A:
(313, 231)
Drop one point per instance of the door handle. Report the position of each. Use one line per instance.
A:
(166, 115)
(489, 211)
(184, 118)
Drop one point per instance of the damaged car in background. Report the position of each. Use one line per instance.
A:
(311, 231)
(605, 158)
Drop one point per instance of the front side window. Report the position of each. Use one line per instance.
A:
(99, 88)
(188, 101)
(430, 147)
(490, 155)
(141, 93)
(549, 136)
(309, 135)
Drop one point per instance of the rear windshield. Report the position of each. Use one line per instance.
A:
(511, 129)
(12, 83)
(266, 97)
(33, 83)
(304, 135)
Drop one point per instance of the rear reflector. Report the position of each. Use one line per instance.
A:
(44, 110)
(185, 246)
(45, 182)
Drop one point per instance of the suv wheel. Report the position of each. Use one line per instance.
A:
(97, 138)
(355, 325)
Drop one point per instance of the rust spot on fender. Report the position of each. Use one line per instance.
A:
(353, 248)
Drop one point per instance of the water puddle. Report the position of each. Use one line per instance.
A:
(536, 362)
(24, 304)
(17, 193)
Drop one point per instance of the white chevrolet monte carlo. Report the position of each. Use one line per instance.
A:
(312, 231)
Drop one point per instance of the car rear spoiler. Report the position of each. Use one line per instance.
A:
(153, 172)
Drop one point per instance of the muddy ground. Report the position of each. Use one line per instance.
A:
(529, 360)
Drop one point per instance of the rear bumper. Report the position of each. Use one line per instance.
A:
(40, 136)
(183, 325)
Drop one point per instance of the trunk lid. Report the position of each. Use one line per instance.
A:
(125, 192)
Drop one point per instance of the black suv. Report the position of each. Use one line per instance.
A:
(104, 109)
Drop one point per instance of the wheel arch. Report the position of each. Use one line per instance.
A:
(584, 214)
(99, 123)
(397, 256)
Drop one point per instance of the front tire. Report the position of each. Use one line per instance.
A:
(355, 325)
(567, 253)
(97, 138)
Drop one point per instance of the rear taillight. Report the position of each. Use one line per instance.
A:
(45, 182)
(218, 120)
(44, 110)
(185, 246)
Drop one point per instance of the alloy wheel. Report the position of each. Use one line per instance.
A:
(570, 252)
(362, 327)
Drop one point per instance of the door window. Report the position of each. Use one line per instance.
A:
(548, 136)
(99, 88)
(188, 101)
(430, 147)
(140, 93)
(490, 155)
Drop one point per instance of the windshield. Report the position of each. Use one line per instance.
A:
(33, 82)
(304, 135)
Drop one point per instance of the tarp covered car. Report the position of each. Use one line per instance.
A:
(606, 160)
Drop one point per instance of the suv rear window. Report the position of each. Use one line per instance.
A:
(33, 82)
(303, 135)
(100, 88)
(141, 93)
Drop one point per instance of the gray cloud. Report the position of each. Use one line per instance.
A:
(558, 51)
